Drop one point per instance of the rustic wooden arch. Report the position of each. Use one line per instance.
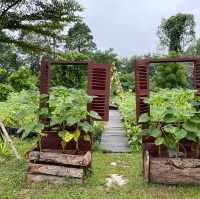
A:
(142, 79)
(98, 83)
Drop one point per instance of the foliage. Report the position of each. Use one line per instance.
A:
(71, 76)
(194, 48)
(128, 81)
(170, 75)
(21, 79)
(177, 32)
(45, 18)
(4, 150)
(80, 38)
(68, 107)
(5, 90)
(9, 60)
(106, 57)
(173, 118)
(98, 127)
(22, 111)
(127, 107)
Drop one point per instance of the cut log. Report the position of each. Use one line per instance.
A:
(52, 179)
(146, 166)
(60, 171)
(173, 170)
(59, 158)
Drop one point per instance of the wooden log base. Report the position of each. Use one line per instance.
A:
(36, 178)
(171, 170)
(60, 171)
(54, 157)
(57, 167)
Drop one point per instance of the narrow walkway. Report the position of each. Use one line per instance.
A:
(114, 138)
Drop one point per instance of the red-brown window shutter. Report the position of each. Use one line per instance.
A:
(197, 76)
(45, 79)
(141, 87)
(99, 86)
(45, 76)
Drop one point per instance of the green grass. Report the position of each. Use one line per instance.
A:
(13, 184)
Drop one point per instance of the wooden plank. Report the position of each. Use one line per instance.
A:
(175, 171)
(52, 179)
(59, 158)
(60, 171)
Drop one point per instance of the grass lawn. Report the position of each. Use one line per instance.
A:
(13, 184)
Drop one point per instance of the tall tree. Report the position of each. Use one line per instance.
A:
(80, 38)
(194, 49)
(177, 32)
(39, 17)
(170, 75)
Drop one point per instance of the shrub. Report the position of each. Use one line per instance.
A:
(21, 79)
(5, 90)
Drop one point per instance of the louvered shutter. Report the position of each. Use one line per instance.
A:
(141, 87)
(45, 79)
(197, 76)
(99, 86)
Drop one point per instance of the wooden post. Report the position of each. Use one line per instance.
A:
(8, 139)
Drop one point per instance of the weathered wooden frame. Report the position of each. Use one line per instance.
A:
(150, 151)
(142, 79)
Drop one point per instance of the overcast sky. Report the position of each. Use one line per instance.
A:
(130, 26)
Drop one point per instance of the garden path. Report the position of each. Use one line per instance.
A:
(114, 138)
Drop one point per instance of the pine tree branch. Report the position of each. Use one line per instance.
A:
(24, 44)
(10, 6)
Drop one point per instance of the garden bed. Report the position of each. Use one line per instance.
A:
(171, 170)
(58, 166)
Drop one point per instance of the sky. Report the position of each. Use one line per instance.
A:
(130, 26)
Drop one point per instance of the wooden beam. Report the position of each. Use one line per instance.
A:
(60, 158)
(52, 179)
(54, 170)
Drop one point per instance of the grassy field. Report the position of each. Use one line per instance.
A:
(14, 186)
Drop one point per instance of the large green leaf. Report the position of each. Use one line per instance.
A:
(180, 134)
(86, 126)
(76, 134)
(191, 127)
(155, 132)
(44, 111)
(66, 136)
(95, 115)
(159, 141)
(170, 118)
(144, 118)
(71, 120)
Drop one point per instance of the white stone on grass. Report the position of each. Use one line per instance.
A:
(115, 179)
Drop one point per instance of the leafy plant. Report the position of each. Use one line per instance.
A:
(173, 118)
(68, 107)
(21, 79)
(5, 90)
(4, 151)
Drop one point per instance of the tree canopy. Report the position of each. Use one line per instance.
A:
(177, 32)
(80, 38)
(21, 18)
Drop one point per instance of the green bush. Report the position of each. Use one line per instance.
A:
(21, 79)
(5, 90)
